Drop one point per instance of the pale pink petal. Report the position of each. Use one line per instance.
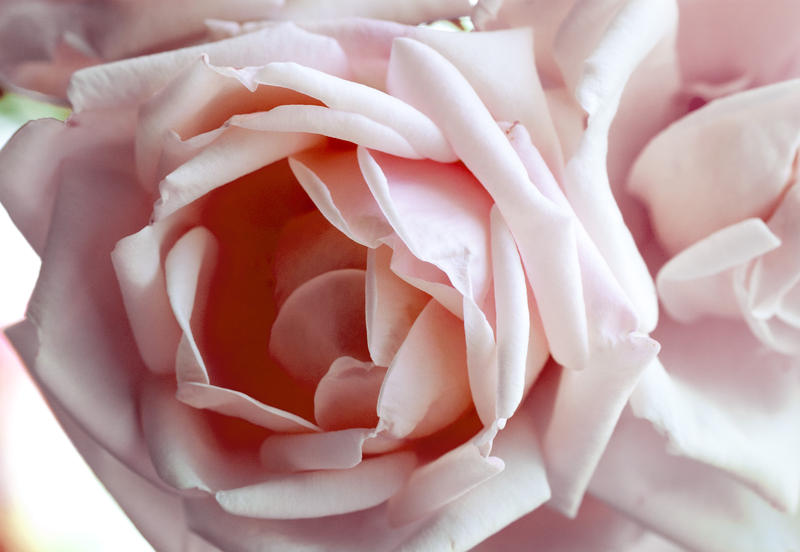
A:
(392, 305)
(440, 482)
(451, 232)
(342, 125)
(779, 270)
(720, 41)
(343, 95)
(513, 318)
(426, 387)
(699, 279)
(727, 161)
(183, 449)
(694, 505)
(485, 150)
(481, 361)
(309, 246)
(597, 527)
(83, 335)
(489, 507)
(133, 80)
(334, 183)
(522, 486)
(234, 153)
(543, 16)
(322, 320)
(597, 60)
(347, 395)
(321, 493)
(726, 400)
(103, 137)
(189, 261)
(484, 61)
(138, 264)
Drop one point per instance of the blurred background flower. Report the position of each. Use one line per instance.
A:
(50, 501)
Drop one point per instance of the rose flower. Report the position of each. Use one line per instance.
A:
(334, 286)
(706, 139)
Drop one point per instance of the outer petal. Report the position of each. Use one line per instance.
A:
(692, 504)
(726, 401)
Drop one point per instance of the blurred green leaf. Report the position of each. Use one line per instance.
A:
(17, 108)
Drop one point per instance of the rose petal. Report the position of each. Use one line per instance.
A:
(131, 81)
(309, 246)
(322, 320)
(439, 482)
(513, 318)
(235, 153)
(426, 387)
(727, 161)
(334, 183)
(597, 61)
(699, 280)
(321, 493)
(391, 307)
(717, 409)
(347, 395)
(328, 450)
(697, 507)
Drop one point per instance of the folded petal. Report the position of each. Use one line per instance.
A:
(426, 387)
(347, 395)
(321, 493)
(322, 320)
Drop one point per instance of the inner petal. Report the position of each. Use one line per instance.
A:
(347, 395)
(321, 320)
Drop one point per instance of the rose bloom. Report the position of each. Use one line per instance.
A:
(344, 285)
(703, 162)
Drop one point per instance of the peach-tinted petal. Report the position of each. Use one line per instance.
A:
(727, 161)
(309, 246)
(334, 183)
(235, 403)
(426, 386)
(321, 493)
(347, 395)
(391, 307)
(130, 81)
(322, 320)
(699, 279)
(327, 450)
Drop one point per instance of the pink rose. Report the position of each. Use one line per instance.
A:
(706, 137)
(42, 42)
(300, 286)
